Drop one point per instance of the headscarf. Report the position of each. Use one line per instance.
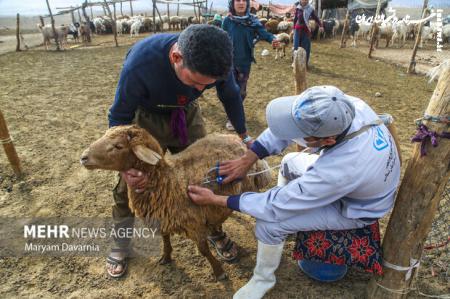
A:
(248, 19)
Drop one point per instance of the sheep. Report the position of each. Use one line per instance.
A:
(362, 29)
(328, 26)
(427, 33)
(285, 26)
(47, 34)
(183, 23)
(85, 32)
(400, 32)
(165, 198)
(336, 27)
(135, 27)
(73, 30)
(386, 30)
(119, 27)
(147, 24)
(99, 25)
(284, 39)
(272, 26)
(263, 21)
(312, 26)
(174, 23)
(446, 33)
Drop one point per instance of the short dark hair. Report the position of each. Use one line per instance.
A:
(206, 50)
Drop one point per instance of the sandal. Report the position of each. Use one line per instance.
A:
(114, 262)
(229, 126)
(229, 244)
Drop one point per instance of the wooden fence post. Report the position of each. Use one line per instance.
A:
(412, 63)
(131, 7)
(168, 14)
(8, 146)
(18, 33)
(300, 70)
(417, 201)
(88, 22)
(344, 30)
(374, 30)
(72, 15)
(114, 27)
(53, 26)
(300, 76)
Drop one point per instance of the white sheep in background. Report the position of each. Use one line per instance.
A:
(135, 27)
(400, 32)
(285, 26)
(47, 34)
(427, 33)
(364, 29)
(99, 25)
(386, 30)
(174, 23)
(183, 22)
(283, 39)
(119, 27)
(446, 33)
(335, 27)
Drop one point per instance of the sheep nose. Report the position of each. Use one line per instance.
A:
(83, 160)
(84, 157)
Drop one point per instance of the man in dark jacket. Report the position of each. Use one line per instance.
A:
(162, 77)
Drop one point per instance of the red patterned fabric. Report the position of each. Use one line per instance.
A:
(359, 247)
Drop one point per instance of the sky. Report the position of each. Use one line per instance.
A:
(38, 7)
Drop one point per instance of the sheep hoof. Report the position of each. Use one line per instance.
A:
(222, 276)
(164, 260)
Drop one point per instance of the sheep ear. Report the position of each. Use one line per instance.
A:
(147, 155)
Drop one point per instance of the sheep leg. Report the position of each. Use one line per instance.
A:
(202, 246)
(167, 254)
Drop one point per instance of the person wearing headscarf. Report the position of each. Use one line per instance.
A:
(243, 28)
(302, 31)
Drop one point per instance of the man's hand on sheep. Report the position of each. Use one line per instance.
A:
(135, 179)
(237, 169)
(204, 196)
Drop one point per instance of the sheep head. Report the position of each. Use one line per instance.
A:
(122, 148)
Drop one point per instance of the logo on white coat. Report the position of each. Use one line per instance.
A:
(380, 142)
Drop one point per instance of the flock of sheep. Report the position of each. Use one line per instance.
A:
(282, 27)
(399, 31)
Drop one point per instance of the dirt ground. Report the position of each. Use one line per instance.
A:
(426, 57)
(56, 104)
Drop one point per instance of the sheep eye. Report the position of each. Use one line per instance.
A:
(118, 146)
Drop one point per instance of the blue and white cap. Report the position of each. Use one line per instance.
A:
(319, 111)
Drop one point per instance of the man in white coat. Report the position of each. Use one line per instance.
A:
(349, 183)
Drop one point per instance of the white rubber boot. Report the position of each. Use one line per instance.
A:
(267, 261)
